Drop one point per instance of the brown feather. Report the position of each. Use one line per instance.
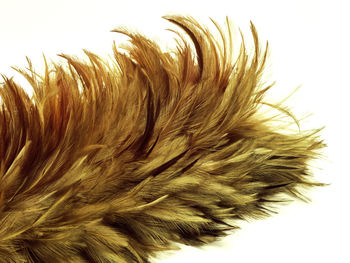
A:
(112, 162)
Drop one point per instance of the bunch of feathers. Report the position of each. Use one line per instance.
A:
(113, 162)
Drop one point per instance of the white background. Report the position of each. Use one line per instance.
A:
(309, 46)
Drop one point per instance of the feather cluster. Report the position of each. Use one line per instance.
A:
(114, 161)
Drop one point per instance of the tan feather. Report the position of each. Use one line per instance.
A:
(114, 161)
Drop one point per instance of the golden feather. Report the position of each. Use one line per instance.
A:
(112, 162)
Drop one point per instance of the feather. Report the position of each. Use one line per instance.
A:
(113, 162)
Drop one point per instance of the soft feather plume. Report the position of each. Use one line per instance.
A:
(112, 162)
